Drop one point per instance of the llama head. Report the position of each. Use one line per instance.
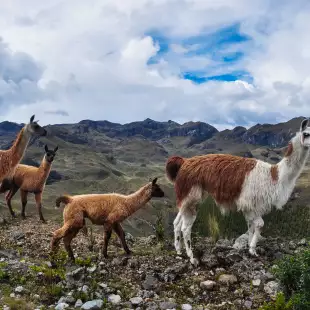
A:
(305, 133)
(50, 154)
(156, 190)
(34, 128)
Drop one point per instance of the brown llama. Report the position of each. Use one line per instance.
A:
(9, 159)
(108, 210)
(29, 179)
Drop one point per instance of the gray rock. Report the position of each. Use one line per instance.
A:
(78, 303)
(210, 260)
(256, 282)
(149, 283)
(114, 299)
(62, 306)
(19, 289)
(227, 279)
(66, 299)
(18, 235)
(93, 305)
(85, 289)
(248, 304)
(271, 288)
(302, 242)
(186, 307)
(92, 269)
(167, 305)
(136, 301)
(241, 242)
(208, 285)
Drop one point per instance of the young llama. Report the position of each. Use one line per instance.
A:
(108, 210)
(9, 159)
(235, 183)
(29, 179)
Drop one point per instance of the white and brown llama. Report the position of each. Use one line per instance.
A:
(235, 183)
(108, 210)
(9, 159)
(29, 179)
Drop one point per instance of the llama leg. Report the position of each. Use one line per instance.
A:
(177, 223)
(117, 227)
(106, 237)
(38, 198)
(258, 225)
(67, 242)
(57, 236)
(23, 196)
(189, 217)
(9, 197)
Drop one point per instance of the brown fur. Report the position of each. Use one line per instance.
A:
(9, 159)
(274, 173)
(220, 175)
(28, 179)
(289, 150)
(101, 209)
(173, 166)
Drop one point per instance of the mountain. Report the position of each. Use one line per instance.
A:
(101, 156)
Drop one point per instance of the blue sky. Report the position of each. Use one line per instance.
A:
(224, 62)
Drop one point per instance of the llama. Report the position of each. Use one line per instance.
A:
(9, 159)
(108, 210)
(235, 183)
(29, 179)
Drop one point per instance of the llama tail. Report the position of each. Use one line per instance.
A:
(173, 166)
(63, 199)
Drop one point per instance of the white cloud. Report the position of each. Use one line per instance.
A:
(89, 59)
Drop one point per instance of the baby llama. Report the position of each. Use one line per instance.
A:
(235, 183)
(108, 210)
(9, 159)
(29, 179)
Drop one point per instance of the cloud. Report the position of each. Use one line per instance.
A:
(57, 112)
(225, 62)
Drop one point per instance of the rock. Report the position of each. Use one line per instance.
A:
(149, 283)
(241, 242)
(92, 269)
(208, 285)
(66, 299)
(302, 242)
(62, 306)
(271, 288)
(93, 305)
(19, 289)
(120, 261)
(256, 282)
(136, 300)
(85, 289)
(186, 307)
(133, 263)
(227, 279)
(209, 260)
(248, 304)
(167, 305)
(18, 235)
(78, 303)
(114, 299)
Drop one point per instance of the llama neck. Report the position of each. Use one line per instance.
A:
(17, 150)
(137, 200)
(45, 168)
(294, 161)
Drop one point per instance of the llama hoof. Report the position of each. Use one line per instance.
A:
(129, 253)
(43, 221)
(194, 261)
(253, 252)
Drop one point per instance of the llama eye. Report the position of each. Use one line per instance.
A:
(306, 134)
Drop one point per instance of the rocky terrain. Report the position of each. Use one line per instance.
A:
(152, 278)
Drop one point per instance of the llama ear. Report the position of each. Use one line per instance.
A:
(32, 118)
(55, 149)
(304, 124)
(154, 181)
(45, 148)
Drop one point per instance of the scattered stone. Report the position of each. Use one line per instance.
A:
(271, 288)
(19, 289)
(227, 279)
(93, 305)
(302, 242)
(167, 305)
(186, 307)
(248, 304)
(114, 299)
(208, 285)
(62, 306)
(209, 260)
(78, 303)
(85, 289)
(149, 283)
(18, 235)
(256, 282)
(92, 269)
(136, 300)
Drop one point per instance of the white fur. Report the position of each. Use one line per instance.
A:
(258, 195)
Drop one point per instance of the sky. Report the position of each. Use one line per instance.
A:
(224, 62)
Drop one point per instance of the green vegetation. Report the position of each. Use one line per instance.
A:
(293, 273)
